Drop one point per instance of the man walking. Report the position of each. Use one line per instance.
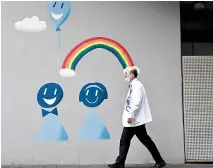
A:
(136, 114)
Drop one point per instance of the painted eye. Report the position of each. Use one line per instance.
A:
(62, 5)
(45, 91)
(55, 92)
(96, 93)
(54, 4)
(87, 93)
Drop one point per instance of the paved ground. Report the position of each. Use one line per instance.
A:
(105, 166)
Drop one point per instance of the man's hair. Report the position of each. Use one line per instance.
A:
(134, 71)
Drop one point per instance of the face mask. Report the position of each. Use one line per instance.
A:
(127, 79)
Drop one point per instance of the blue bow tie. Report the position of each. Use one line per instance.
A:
(54, 111)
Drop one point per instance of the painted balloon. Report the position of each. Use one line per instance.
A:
(59, 12)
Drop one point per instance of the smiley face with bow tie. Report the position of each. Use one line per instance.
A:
(48, 97)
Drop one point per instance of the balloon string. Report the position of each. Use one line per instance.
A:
(59, 40)
(59, 47)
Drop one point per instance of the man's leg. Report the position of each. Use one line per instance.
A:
(126, 137)
(145, 139)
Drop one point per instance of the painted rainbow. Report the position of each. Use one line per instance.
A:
(79, 51)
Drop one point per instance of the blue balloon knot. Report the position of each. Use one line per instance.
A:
(58, 29)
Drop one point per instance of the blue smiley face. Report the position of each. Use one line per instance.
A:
(59, 11)
(49, 95)
(93, 94)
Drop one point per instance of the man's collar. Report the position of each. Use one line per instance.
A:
(132, 81)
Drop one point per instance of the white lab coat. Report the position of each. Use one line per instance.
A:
(138, 107)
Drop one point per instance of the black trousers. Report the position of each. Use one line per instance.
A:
(140, 132)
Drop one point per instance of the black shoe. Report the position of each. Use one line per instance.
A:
(161, 164)
(116, 165)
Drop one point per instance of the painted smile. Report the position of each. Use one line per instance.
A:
(92, 101)
(50, 101)
(56, 16)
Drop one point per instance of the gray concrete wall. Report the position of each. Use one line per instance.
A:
(150, 31)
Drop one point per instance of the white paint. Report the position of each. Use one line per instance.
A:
(31, 25)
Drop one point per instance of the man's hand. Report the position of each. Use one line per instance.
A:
(130, 120)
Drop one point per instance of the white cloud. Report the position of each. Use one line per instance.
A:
(31, 25)
(67, 73)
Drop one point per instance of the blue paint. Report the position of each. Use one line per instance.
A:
(59, 12)
(45, 112)
(52, 129)
(93, 94)
(49, 95)
(94, 128)
(105, 134)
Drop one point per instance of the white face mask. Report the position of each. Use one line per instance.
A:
(127, 79)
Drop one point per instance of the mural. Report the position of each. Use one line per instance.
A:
(92, 95)
(32, 24)
(48, 97)
(79, 51)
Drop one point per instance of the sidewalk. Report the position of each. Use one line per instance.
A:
(105, 166)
